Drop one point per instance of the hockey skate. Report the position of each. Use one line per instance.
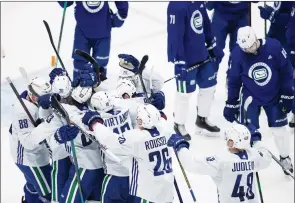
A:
(286, 162)
(204, 127)
(292, 122)
(180, 129)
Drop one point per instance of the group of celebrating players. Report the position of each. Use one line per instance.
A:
(115, 146)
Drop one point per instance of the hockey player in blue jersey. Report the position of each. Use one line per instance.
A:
(261, 70)
(227, 18)
(278, 15)
(189, 28)
(95, 21)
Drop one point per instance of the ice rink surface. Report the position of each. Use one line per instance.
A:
(26, 44)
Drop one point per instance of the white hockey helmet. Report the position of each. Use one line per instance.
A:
(38, 87)
(148, 116)
(125, 86)
(239, 134)
(247, 39)
(81, 94)
(101, 101)
(62, 86)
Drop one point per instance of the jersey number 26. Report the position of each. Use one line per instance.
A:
(161, 157)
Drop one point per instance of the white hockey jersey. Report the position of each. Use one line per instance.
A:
(119, 122)
(150, 170)
(26, 148)
(233, 174)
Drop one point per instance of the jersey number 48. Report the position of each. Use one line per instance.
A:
(239, 190)
(161, 157)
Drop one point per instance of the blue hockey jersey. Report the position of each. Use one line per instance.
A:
(188, 28)
(230, 10)
(95, 18)
(264, 76)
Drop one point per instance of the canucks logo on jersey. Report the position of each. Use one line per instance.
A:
(261, 73)
(93, 6)
(197, 22)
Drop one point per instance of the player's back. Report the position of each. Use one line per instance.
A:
(118, 121)
(151, 175)
(236, 180)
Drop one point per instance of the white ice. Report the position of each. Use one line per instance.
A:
(25, 41)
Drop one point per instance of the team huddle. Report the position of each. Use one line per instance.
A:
(82, 141)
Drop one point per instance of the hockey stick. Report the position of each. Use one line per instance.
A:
(190, 69)
(246, 105)
(278, 161)
(61, 112)
(177, 191)
(54, 48)
(265, 24)
(144, 59)
(61, 28)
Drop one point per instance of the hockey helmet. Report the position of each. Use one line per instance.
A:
(125, 86)
(81, 94)
(62, 86)
(101, 101)
(38, 87)
(247, 39)
(239, 134)
(148, 116)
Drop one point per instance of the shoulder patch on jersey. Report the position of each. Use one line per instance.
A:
(210, 158)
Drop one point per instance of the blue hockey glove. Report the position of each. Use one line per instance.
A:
(56, 72)
(90, 118)
(215, 53)
(177, 142)
(88, 80)
(129, 62)
(158, 100)
(66, 133)
(181, 70)
(231, 111)
(117, 20)
(255, 134)
(81, 70)
(45, 100)
(267, 13)
(286, 102)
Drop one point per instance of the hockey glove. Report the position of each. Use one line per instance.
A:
(45, 100)
(181, 70)
(267, 13)
(90, 118)
(158, 100)
(88, 80)
(286, 102)
(129, 62)
(66, 133)
(81, 70)
(215, 53)
(255, 134)
(56, 72)
(231, 111)
(177, 142)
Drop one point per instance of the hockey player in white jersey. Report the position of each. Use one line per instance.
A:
(232, 171)
(150, 173)
(31, 158)
(88, 153)
(116, 182)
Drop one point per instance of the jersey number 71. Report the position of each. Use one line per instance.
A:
(161, 157)
(239, 190)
